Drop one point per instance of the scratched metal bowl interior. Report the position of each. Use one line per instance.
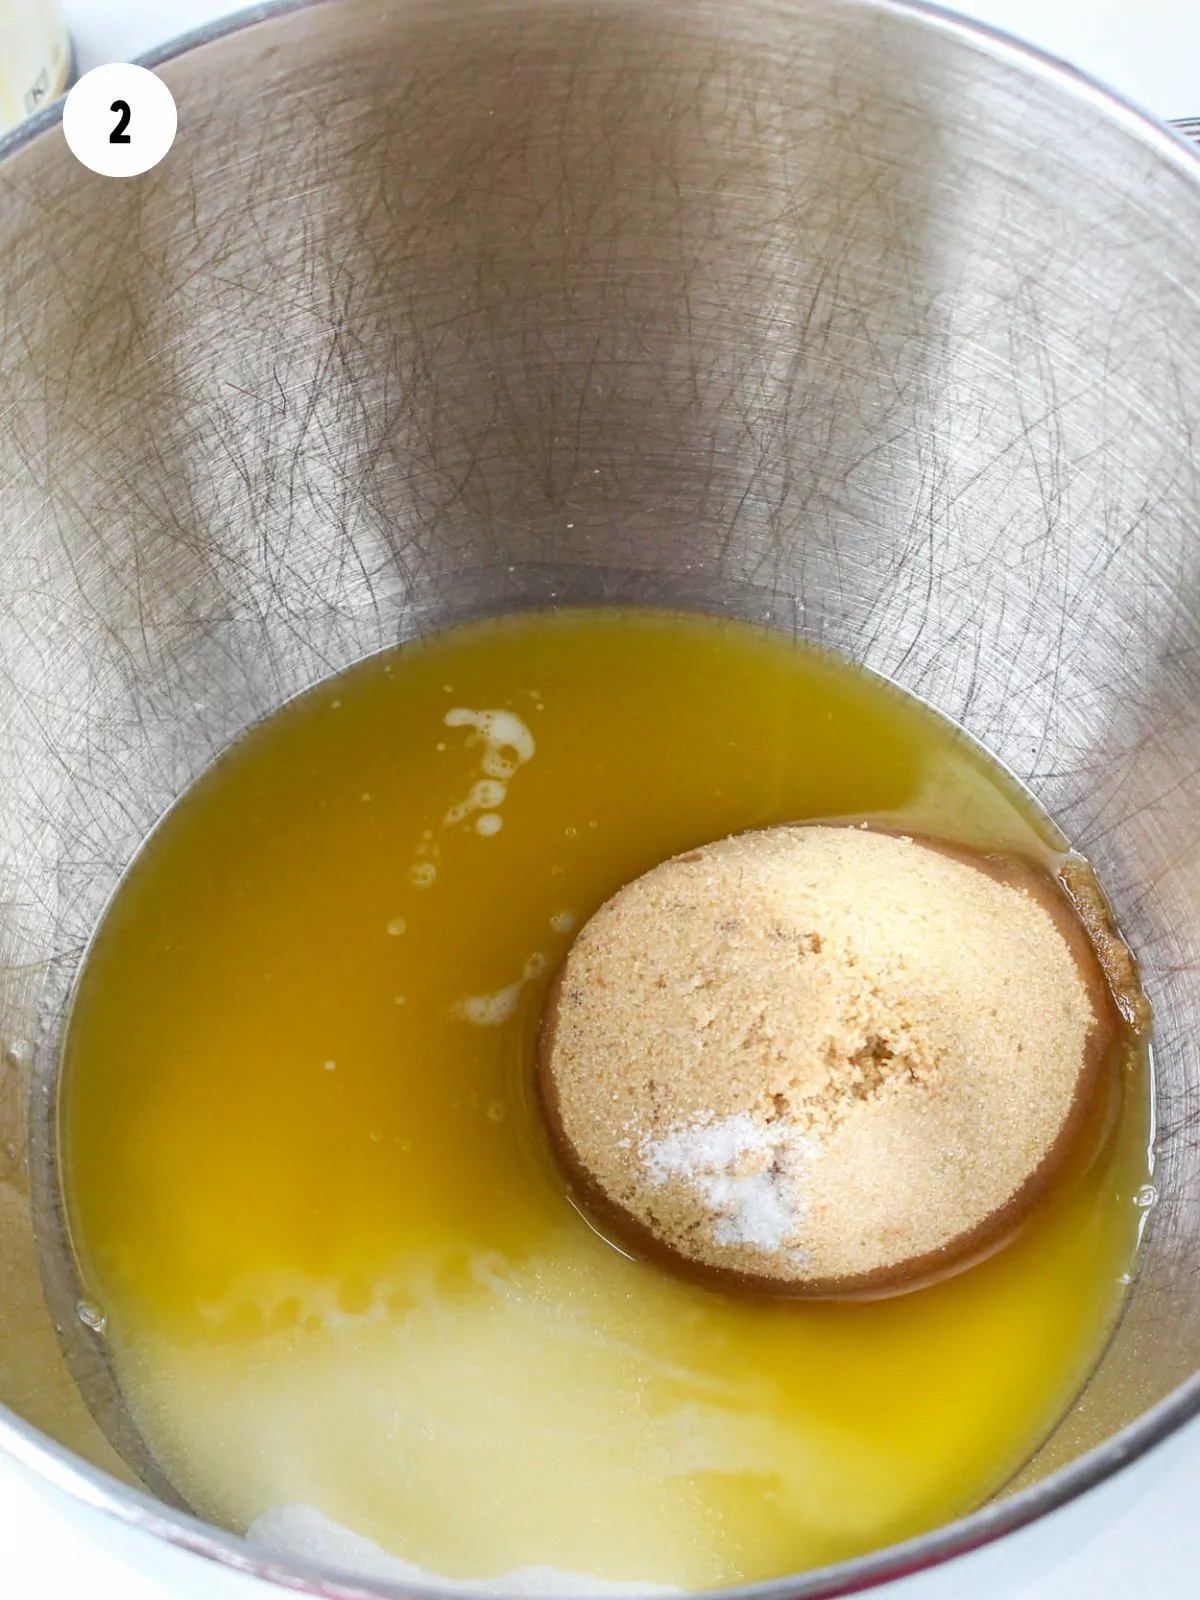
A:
(878, 330)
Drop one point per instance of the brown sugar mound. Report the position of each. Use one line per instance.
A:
(824, 1060)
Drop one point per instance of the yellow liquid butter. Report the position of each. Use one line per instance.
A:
(309, 1189)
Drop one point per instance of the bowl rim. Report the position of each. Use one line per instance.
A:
(99, 1490)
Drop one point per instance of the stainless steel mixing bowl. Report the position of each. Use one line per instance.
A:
(835, 314)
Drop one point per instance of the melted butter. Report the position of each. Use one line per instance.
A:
(310, 1193)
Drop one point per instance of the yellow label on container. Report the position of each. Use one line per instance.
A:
(34, 57)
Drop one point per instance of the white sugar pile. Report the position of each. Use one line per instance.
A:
(309, 1535)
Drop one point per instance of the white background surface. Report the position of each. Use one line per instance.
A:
(1139, 1536)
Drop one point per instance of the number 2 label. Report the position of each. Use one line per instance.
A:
(118, 135)
(120, 120)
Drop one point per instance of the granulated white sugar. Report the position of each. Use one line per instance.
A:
(303, 1532)
(749, 1174)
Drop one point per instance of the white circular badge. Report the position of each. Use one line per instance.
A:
(120, 120)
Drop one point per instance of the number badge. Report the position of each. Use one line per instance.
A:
(120, 120)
